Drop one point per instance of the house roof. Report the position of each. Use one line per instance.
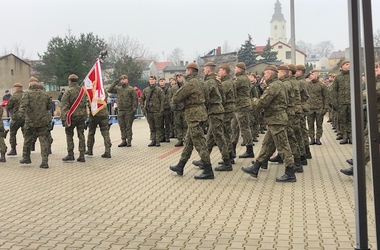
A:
(337, 55)
(287, 45)
(161, 65)
(259, 49)
(5, 56)
(174, 68)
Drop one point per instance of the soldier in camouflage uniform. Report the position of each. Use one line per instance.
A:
(367, 156)
(180, 124)
(3, 147)
(341, 96)
(229, 93)
(255, 113)
(101, 118)
(152, 106)
(318, 107)
(127, 106)
(274, 103)
(191, 94)
(243, 108)
(166, 121)
(173, 132)
(215, 110)
(77, 116)
(300, 76)
(34, 107)
(16, 121)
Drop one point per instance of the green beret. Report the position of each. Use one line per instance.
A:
(212, 64)
(271, 67)
(192, 65)
(283, 67)
(241, 65)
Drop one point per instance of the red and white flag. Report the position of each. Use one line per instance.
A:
(94, 88)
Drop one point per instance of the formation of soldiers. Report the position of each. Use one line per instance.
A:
(200, 113)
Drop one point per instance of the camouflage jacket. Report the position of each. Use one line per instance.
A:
(14, 104)
(156, 102)
(304, 93)
(318, 95)
(290, 95)
(34, 106)
(242, 85)
(341, 93)
(192, 96)
(297, 95)
(215, 95)
(173, 90)
(166, 95)
(68, 100)
(229, 93)
(274, 102)
(126, 96)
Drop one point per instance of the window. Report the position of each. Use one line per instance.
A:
(279, 46)
(288, 55)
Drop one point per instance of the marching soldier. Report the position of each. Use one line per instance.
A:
(73, 115)
(127, 106)
(192, 96)
(16, 121)
(166, 114)
(180, 124)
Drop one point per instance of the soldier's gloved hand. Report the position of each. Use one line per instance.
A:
(63, 123)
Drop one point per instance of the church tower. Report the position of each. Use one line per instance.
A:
(277, 25)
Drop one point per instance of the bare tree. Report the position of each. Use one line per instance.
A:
(324, 48)
(376, 44)
(120, 46)
(307, 48)
(18, 50)
(226, 47)
(176, 56)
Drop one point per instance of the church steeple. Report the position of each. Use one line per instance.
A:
(278, 25)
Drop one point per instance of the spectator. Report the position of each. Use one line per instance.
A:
(61, 94)
(6, 98)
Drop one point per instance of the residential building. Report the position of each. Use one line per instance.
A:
(12, 70)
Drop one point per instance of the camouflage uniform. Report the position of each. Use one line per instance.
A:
(153, 110)
(191, 95)
(34, 107)
(215, 110)
(297, 117)
(127, 106)
(304, 94)
(101, 119)
(166, 121)
(3, 147)
(16, 121)
(180, 124)
(255, 113)
(243, 106)
(341, 96)
(318, 106)
(274, 102)
(77, 118)
(229, 110)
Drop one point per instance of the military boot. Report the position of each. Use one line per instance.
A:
(206, 174)
(106, 155)
(344, 141)
(340, 137)
(158, 144)
(68, 158)
(248, 153)
(277, 158)
(253, 170)
(318, 142)
(178, 168)
(303, 160)
(312, 141)
(308, 153)
(152, 144)
(264, 165)
(123, 143)
(348, 171)
(12, 152)
(81, 158)
(44, 164)
(89, 151)
(289, 176)
(199, 164)
(2, 158)
(179, 143)
(226, 166)
(25, 161)
(350, 161)
(33, 146)
(231, 160)
(49, 150)
(129, 143)
(298, 166)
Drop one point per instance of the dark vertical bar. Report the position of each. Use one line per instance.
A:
(357, 126)
(372, 110)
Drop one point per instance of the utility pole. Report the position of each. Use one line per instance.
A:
(292, 33)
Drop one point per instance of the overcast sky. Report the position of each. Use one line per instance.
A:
(196, 26)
